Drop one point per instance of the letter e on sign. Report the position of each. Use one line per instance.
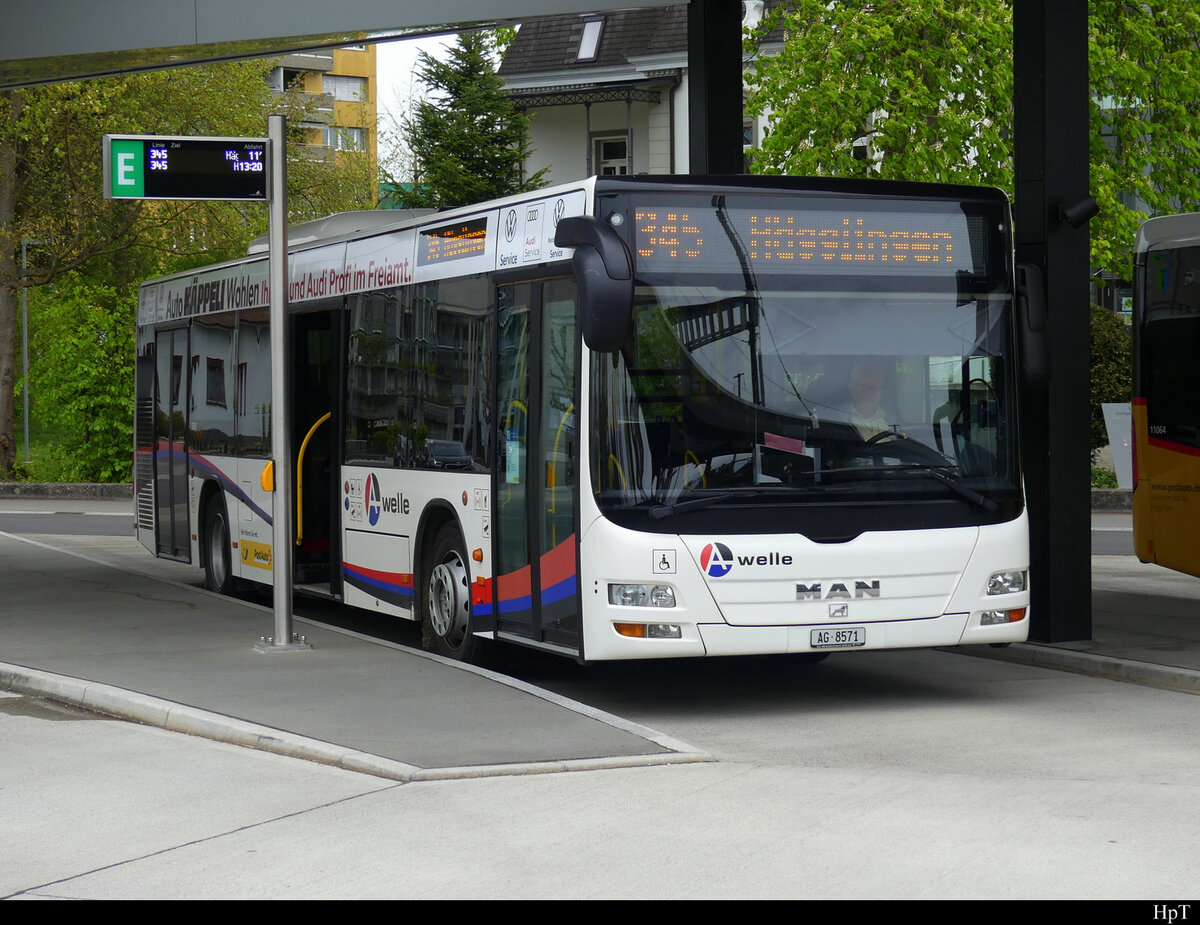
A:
(124, 168)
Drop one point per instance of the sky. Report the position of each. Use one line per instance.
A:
(395, 65)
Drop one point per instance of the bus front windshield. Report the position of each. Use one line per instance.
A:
(752, 388)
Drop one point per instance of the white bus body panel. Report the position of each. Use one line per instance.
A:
(247, 505)
(381, 514)
(903, 589)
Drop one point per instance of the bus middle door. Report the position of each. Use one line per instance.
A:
(536, 477)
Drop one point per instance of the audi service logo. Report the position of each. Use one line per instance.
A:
(510, 225)
(716, 560)
(374, 505)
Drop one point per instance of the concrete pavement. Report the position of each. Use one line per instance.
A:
(133, 637)
(898, 775)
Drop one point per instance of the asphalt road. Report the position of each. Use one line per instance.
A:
(66, 518)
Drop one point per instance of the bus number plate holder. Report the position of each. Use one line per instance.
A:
(839, 637)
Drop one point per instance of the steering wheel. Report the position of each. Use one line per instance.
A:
(908, 447)
(885, 435)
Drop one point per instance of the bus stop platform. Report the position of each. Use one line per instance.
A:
(107, 627)
(95, 633)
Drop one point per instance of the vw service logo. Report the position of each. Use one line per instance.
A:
(716, 560)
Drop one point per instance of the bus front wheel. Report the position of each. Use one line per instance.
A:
(218, 561)
(446, 604)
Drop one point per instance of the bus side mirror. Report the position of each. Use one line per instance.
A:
(604, 274)
(1031, 326)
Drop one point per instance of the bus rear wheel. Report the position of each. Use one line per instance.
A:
(218, 560)
(446, 603)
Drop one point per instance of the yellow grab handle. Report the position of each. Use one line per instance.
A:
(300, 476)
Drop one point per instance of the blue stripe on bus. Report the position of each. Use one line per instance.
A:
(228, 484)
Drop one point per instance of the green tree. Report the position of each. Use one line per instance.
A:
(1144, 62)
(51, 190)
(468, 142)
(1112, 368)
(82, 358)
(924, 89)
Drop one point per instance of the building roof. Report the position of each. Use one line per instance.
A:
(552, 44)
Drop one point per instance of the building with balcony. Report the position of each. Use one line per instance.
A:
(607, 92)
(341, 85)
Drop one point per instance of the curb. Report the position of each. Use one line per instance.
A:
(175, 717)
(77, 491)
(1112, 499)
(1147, 674)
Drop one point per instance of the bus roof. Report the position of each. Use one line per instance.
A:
(1178, 230)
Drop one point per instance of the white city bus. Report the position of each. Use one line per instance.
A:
(620, 418)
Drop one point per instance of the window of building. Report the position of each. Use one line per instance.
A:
(611, 156)
(345, 139)
(346, 89)
(291, 77)
(589, 40)
(215, 391)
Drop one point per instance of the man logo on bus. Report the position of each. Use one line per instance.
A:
(716, 560)
(374, 505)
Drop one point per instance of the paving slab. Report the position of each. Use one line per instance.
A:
(84, 631)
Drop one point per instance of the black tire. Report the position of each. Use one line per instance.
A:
(218, 555)
(446, 599)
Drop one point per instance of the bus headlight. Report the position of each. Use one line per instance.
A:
(1006, 582)
(641, 595)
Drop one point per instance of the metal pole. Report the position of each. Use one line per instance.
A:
(281, 449)
(714, 87)
(25, 339)
(1050, 61)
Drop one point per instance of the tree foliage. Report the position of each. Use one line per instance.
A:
(467, 140)
(924, 87)
(81, 372)
(51, 190)
(1112, 368)
(1144, 60)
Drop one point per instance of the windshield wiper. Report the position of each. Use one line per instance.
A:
(663, 511)
(958, 488)
(937, 473)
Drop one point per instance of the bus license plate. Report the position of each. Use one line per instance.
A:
(839, 637)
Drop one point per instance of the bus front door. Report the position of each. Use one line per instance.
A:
(316, 349)
(536, 477)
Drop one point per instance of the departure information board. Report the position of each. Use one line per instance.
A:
(156, 167)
